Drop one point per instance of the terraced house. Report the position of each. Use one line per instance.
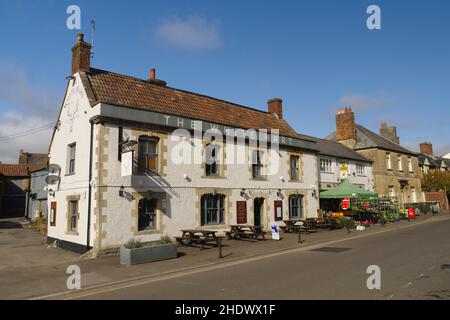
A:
(395, 169)
(116, 163)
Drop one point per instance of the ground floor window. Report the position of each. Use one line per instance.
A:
(73, 216)
(212, 209)
(147, 214)
(296, 206)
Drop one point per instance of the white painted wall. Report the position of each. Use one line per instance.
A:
(180, 210)
(74, 126)
(334, 177)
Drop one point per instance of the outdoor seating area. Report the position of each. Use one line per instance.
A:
(240, 232)
(198, 237)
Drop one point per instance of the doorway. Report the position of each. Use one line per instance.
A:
(257, 211)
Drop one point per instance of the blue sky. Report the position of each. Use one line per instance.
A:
(316, 55)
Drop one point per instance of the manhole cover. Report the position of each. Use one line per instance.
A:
(331, 249)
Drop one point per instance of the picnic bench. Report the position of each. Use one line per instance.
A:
(291, 226)
(295, 226)
(198, 237)
(246, 232)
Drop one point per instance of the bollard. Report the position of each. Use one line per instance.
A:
(299, 236)
(220, 247)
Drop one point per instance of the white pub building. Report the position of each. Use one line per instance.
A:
(117, 172)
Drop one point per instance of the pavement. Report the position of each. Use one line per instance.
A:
(289, 269)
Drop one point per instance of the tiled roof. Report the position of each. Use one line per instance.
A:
(335, 149)
(121, 90)
(366, 139)
(20, 170)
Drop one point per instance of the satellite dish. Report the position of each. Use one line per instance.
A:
(54, 168)
(52, 179)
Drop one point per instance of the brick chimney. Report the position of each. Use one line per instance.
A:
(345, 127)
(152, 79)
(275, 106)
(426, 148)
(81, 55)
(389, 133)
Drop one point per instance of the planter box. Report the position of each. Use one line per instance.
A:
(147, 254)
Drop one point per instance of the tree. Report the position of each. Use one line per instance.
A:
(436, 180)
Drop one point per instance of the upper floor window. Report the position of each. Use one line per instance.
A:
(147, 214)
(399, 160)
(212, 209)
(294, 167)
(388, 161)
(360, 169)
(148, 154)
(257, 164)
(212, 166)
(326, 165)
(71, 150)
(410, 165)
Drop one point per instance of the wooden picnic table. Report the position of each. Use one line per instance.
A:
(200, 237)
(299, 225)
(241, 231)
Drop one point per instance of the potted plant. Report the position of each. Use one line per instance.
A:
(135, 252)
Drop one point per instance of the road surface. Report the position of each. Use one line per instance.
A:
(414, 264)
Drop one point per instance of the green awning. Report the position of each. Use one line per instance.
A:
(347, 190)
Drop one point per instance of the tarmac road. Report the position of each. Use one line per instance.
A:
(414, 264)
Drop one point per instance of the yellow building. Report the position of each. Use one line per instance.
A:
(396, 172)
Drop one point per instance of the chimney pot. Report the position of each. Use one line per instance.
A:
(152, 73)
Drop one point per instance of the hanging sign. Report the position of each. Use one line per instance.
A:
(345, 203)
(127, 164)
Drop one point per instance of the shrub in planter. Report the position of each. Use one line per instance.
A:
(134, 252)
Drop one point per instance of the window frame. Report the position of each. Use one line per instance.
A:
(298, 206)
(72, 223)
(361, 170)
(294, 168)
(146, 155)
(148, 202)
(410, 165)
(212, 205)
(212, 168)
(71, 158)
(399, 163)
(326, 165)
(388, 161)
(258, 166)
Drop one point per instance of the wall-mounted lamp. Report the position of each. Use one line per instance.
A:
(279, 194)
(243, 192)
(186, 177)
(314, 192)
(51, 192)
(282, 178)
(121, 191)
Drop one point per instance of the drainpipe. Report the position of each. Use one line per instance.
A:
(88, 240)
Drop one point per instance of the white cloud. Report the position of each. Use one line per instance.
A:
(24, 106)
(193, 33)
(363, 102)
